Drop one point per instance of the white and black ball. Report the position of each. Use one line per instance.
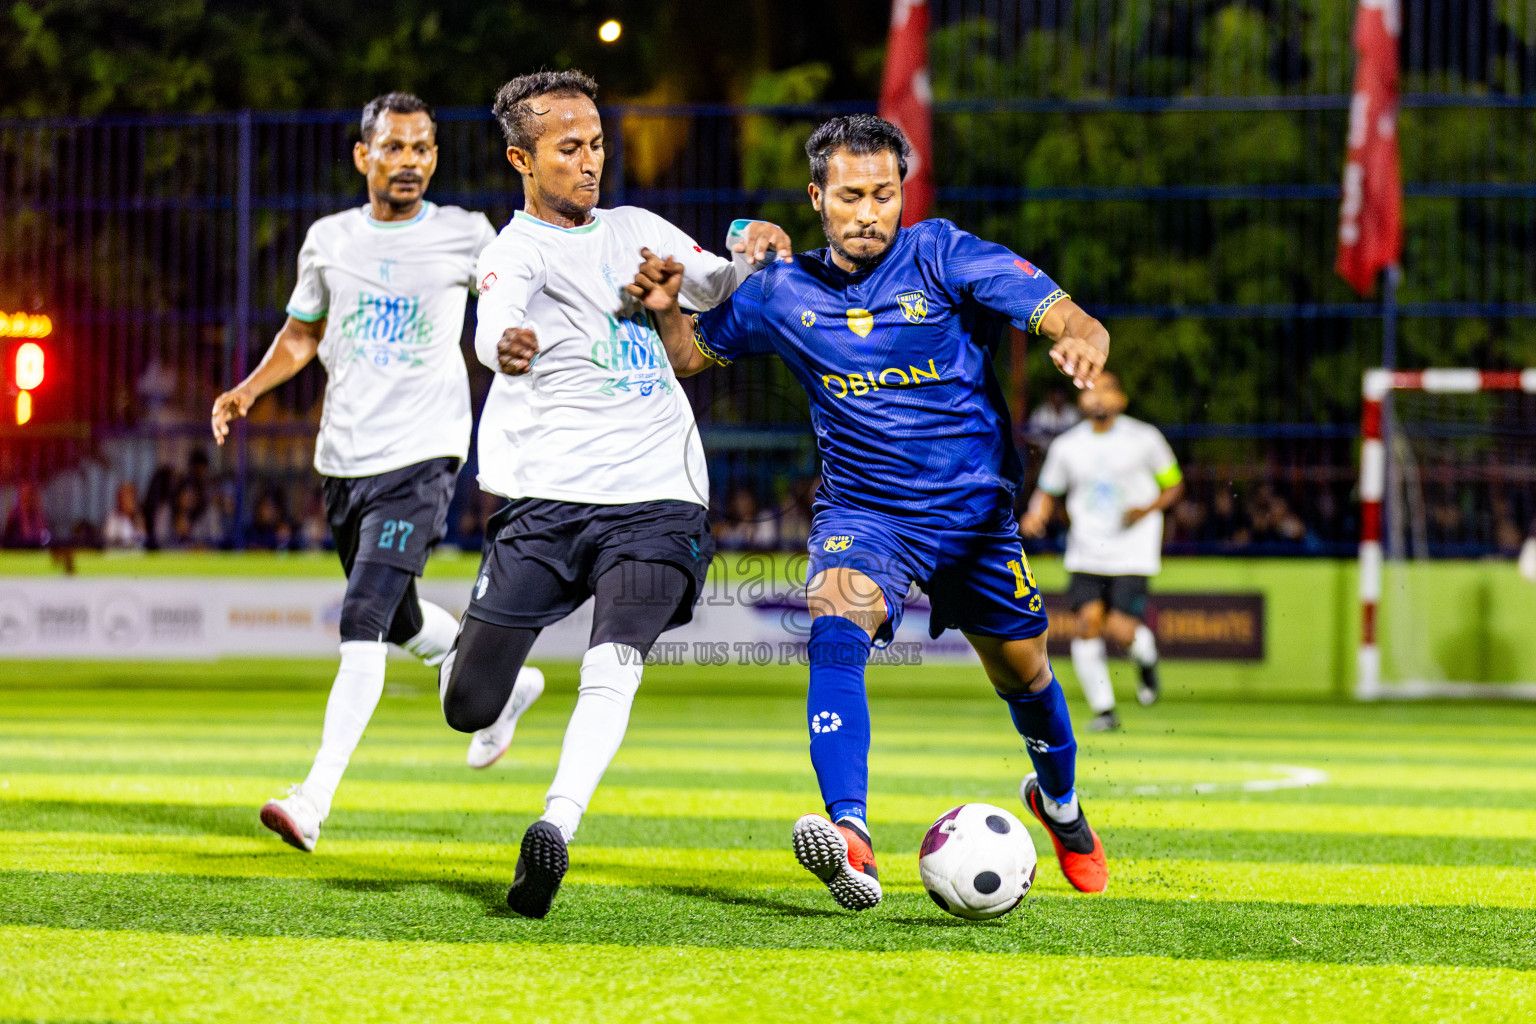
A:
(977, 862)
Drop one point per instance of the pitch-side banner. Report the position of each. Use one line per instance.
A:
(108, 617)
(1189, 627)
(210, 618)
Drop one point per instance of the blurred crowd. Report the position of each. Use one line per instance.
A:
(193, 507)
(190, 509)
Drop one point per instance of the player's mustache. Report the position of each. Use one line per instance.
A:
(874, 233)
(405, 178)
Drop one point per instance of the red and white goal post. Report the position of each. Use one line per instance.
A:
(1377, 385)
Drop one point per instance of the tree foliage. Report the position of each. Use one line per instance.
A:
(63, 57)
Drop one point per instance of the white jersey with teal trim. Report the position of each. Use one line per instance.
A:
(393, 296)
(599, 419)
(1103, 475)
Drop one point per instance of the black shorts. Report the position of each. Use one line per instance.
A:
(395, 518)
(542, 557)
(1126, 594)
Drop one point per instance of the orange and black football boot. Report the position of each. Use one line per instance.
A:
(1078, 848)
(841, 856)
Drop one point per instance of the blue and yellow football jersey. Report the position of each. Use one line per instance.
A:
(897, 361)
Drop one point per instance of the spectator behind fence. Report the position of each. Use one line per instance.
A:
(795, 522)
(1226, 524)
(124, 529)
(158, 498)
(745, 528)
(1186, 523)
(1271, 519)
(191, 521)
(27, 526)
(1054, 417)
(269, 529)
(1507, 536)
(314, 531)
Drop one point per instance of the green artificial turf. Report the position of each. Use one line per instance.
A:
(137, 885)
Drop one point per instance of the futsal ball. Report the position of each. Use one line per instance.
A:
(977, 862)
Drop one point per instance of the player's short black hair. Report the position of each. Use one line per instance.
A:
(513, 110)
(394, 103)
(859, 134)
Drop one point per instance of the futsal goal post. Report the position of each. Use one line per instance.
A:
(1447, 472)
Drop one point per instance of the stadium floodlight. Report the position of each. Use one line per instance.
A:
(1420, 443)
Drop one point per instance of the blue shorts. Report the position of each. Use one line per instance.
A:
(977, 580)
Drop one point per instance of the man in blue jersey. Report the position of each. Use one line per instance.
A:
(892, 331)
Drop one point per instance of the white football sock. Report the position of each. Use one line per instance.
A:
(1092, 667)
(1063, 812)
(354, 696)
(564, 813)
(438, 628)
(1143, 649)
(610, 677)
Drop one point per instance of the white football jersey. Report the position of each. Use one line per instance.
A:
(1102, 475)
(393, 296)
(599, 418)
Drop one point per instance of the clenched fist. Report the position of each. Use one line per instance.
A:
(657, 281)
(516, 350)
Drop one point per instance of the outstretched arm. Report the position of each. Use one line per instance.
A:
(1000, 280)
(1081, 342)
(656, 285)
(292, 349)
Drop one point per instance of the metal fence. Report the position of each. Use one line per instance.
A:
(1176, 170)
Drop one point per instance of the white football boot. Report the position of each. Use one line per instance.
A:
(488, 744)
(295, 818)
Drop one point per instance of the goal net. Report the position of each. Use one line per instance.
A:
(1447, 500)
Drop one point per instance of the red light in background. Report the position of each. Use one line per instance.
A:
(27, 361)
(30, 363)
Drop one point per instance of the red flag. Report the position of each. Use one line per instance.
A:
(1371, 214)
(907, 101)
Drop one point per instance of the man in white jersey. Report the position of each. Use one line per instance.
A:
(1118, 475)
(380, 299)
(588, 435)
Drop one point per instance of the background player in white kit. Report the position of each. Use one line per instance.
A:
(1118, 475)
(380, 299)
(587, 434)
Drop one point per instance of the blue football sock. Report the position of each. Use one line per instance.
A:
(839, 714)
(1042, 720)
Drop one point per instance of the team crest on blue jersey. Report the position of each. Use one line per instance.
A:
(808, 319)
(838, 543)
(914, 306)
(861, 322)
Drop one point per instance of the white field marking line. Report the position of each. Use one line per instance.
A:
(1294, 777)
